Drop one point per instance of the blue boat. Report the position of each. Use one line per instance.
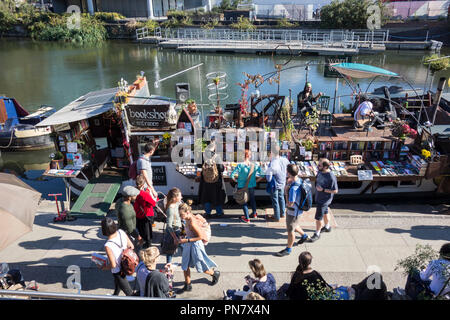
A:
(17, 127)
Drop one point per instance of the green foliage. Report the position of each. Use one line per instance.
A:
(349, 14)
(286, 121)
(211, 24)
(7, 15)
(150, 24)
(419, 260)
(243, 24)
(285, 23)
(317, 291)
(177, 14)
(177, 19)
(108, 16)
(91, 30)
(436, 65)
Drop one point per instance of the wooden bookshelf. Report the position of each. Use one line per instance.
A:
(371, 148)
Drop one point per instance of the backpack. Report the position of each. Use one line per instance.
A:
(206, 230)
(132, 171)
(210, 172)
(129, 260)
(306, 200)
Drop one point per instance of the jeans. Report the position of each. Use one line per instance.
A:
(144, 227)
(252, 201)
(121, 283)
(170, 256)
(278, 203)
(208, 209)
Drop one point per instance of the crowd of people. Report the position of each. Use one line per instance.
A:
(187, 233)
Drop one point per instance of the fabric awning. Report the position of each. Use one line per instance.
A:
(361, 71)
(85, 107)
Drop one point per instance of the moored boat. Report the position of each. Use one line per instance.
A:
(17, 127)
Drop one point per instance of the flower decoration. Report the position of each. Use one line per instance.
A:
(402, 130)
(426, 154)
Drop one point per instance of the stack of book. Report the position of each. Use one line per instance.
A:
(418, 163)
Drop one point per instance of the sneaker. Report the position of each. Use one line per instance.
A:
(215, 277)
(303, 239)
(315, 237)
(282, 253)
(325, 229)
(187, 287)
(243, 219)
(254, 215)
(272, 219)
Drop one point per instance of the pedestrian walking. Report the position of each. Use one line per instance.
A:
(173, 222)
(143, 206)
(294, 211)
(194, 254)
(276, 178)
(117, 242)
(326, 188)
(247, 172)
(126, 216)
(211, 192)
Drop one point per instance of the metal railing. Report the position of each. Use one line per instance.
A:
(65, 296)
(187, 37)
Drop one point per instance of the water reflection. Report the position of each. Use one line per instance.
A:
(56, 74)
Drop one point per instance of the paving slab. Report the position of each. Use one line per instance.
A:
(365, 237)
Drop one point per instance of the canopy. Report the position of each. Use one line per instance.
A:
(85, 107)
(358, 70)
(18, 205)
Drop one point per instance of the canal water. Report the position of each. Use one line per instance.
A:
(54, 74)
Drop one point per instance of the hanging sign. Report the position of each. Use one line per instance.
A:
(148, 116)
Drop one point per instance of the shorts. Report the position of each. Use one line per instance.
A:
(321, 210)
(292, 222)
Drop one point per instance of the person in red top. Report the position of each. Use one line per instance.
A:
(143, 206)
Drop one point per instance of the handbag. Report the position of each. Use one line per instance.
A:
(241, 195)
(168, 245)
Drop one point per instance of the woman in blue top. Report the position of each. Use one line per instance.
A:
(242, 170)
(264, 284)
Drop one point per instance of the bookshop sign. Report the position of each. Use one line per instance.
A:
(148, 116)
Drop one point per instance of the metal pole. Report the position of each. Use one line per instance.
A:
(335, 94)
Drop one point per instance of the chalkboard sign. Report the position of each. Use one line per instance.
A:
(159, 176)
(148, 116)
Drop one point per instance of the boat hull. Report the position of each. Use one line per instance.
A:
(33, 139)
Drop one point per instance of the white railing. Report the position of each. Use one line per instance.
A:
(230, 37)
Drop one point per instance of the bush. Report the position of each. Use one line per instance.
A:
(243, 24)
(7, 15)
(211, 24)
(177, 14)
(436, 65)
(419, 260)
(349, 14)
(91, 30)
(285, 23)
(175, 23)
(108, 16)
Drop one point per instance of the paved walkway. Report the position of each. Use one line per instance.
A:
(362, 236)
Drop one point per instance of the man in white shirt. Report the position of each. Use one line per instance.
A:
(363, 113)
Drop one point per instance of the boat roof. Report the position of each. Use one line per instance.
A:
(359, 70)
(84, 107)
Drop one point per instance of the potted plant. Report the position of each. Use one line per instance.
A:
(57, 160)
(402, 130)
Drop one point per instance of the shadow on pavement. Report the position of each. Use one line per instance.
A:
(425, 232)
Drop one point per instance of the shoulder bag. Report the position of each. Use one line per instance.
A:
(241, 195)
